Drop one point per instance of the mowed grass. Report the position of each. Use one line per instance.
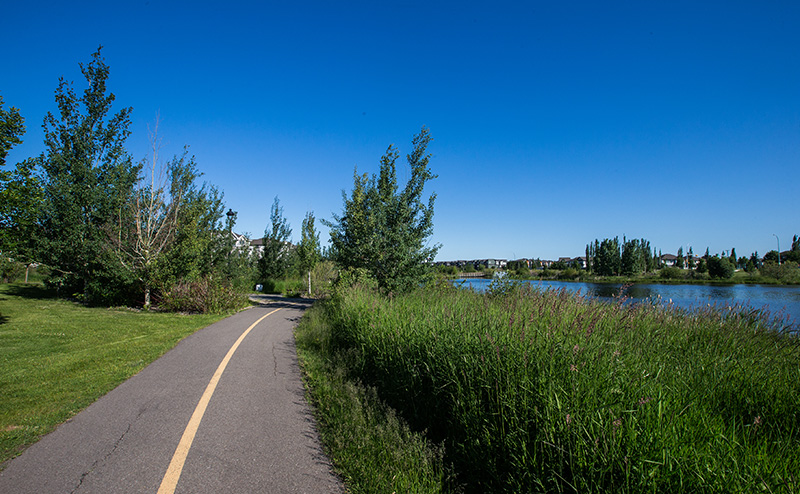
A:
(521, 390)
(57, 357)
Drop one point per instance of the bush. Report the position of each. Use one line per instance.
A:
(11, 271)
(204, 295)
(322, 277)
(721, 268)
(785, 273)
(568, 274)
(672, 273)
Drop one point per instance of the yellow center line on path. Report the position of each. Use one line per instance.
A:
(170, 480)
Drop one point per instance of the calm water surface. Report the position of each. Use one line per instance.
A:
(780, 301)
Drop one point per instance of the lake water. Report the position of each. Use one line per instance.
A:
(780, 301)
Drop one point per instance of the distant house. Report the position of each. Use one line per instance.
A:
(669, 260)
(257, 245)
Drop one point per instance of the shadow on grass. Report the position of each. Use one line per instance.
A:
(34, 292)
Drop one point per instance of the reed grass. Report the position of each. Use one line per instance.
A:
(546, 391)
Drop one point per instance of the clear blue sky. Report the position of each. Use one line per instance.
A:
(554, 123)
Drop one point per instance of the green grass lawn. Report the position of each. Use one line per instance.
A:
(57, 357)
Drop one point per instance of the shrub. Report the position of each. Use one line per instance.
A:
(672, 273)
(204, 295)
(10, 271)
(721, 268)
(785, 273)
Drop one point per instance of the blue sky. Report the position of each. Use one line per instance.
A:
(554, 123)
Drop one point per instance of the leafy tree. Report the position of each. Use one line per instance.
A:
(607, 259)
(771, 256)
(21, 197)
(148, 224)
(308, 252)
(720, 267)
(12, 127)
(201, 246)
(633, 256)
(274, 257)
(87, 178)
(384, 229)
(20, 194)
(680, 262)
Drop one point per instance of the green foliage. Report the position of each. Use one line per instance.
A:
(87, 177)
(274, 259)
(545, 391)
(205, 296)
(12, 127)
(784, 273)
(720, 268)
(672, 273)
(21, 197)
(634, 256)
(384, 229)
(322, 277)
(371, 448)
(607, 259)
(10, 270)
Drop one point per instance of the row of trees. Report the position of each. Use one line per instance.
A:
(112, 230)
(609, 257)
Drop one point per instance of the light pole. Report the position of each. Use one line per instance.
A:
(231, 216)
(779, 248)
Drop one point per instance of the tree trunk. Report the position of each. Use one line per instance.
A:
(147, 297)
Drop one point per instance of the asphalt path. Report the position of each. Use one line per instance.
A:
(255, 434)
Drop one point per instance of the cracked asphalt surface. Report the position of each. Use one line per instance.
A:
(257, 434)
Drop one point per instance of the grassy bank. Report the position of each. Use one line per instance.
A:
(57, 357)
(531, 391)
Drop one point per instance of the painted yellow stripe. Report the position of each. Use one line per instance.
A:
(170, 480)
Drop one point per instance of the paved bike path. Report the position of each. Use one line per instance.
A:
(256, 434)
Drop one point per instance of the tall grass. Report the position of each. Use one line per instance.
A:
(546, 391)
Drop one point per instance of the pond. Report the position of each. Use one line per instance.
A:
(779, 301)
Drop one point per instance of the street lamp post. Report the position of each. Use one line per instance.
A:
(779, 248)
(231, 215)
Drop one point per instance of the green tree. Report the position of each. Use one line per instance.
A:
(720, 267)
(12, 128)
(385, 230)
(274, 257)
(148, 224)
(608, 259)
(634, 256)
(21, 197)
(20, 194)
(679, 261)
(87, 178)
(771, 256)
(200, 248)
(308, 252)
